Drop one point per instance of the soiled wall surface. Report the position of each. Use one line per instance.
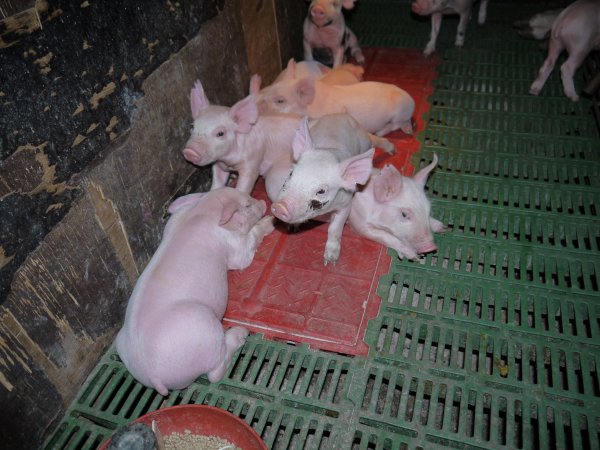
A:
(66, 92)
(96, 111)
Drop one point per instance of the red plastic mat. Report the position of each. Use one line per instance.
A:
(287, 293)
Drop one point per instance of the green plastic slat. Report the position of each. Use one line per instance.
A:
(570, 200)
(497, 223)
(512, 123)
(476, 141)
(509, 166)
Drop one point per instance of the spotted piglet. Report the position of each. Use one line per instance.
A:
(326, 36)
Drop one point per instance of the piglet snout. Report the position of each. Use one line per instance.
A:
(280, 210)
(426, 247)
(192, 156)
(317, 12)
(417, 8)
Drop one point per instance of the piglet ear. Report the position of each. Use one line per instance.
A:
(227, 215)
(421, 176)
(302, 141)
(245, 114)
(356, 170)
(198, 100)
(255, 84)
(305, 91)
(185, 201)
(348, 4)
(290, 70)
(387, 185)
(437, 226)
(236, 217)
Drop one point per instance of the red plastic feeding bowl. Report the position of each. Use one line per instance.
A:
(203, 420)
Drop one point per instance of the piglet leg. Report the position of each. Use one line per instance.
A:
(219, 177)
(354, 47)
(482, 12)
(234, 339)
(243, 257)
(334, 235)
(462, 28)
(554, 50)
(436, 22)
(567, 71)
(382, 143)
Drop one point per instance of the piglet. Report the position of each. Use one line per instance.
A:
(538, 26)
(344, 74)
(172, 332)
(577, 30)
(331, 160)
(394, 211)
(380, 108)
(437, 8)
(236, 139)
(326, 36)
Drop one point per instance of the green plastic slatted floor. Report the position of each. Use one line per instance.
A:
(492, 341)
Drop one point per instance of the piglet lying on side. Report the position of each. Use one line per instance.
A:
(380, 108)
(344, 74)
(576, 30)
(394, 211)
(331, 160)
(437, 8)
(236, 139)
(172, 332)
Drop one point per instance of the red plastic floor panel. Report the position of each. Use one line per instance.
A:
(287, 293)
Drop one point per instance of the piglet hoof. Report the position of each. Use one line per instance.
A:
(360, 59)
(266, 225)
(332, 253)
(327, 261)
(535, 89)
(235, 338)
(410, 255)
(388, 147)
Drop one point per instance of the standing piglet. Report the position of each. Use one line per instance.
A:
(394, 211)
(236, 139)
(380, 108)
(172, 332)
(437, 8)
(326, 36)
(577, 30)
(325, 176)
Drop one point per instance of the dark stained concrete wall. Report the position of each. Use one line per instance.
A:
(67, 91)
(94, 111)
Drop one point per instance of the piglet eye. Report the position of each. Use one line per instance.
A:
(220, 134)
(321, 191)
(279, 100)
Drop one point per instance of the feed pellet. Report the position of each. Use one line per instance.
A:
(190, 441)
